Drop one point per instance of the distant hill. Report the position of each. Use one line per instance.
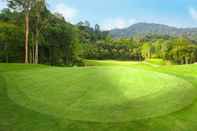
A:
(150, 28)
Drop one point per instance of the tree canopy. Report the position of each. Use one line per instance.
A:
(52, 40)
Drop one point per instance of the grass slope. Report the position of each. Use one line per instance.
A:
(137, 97)
(99, 94)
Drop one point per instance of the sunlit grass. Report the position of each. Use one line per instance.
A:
(131, 96)
(109, 63)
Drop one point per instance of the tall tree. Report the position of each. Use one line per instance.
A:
(24, 6)
(147, 50)
(40, 22)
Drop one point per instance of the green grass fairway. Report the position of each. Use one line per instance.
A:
(109, 63)
(129, 96)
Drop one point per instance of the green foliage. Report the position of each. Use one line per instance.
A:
(122, 49)
(184, 52)
(21, 5)
(13, 17)
(58, 41)
(9, 39)
(147, 50)
(61, 43)
(180, 50)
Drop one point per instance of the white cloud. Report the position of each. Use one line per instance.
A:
(193, 13)
(69, 13)
(2, 4)
(117, 23)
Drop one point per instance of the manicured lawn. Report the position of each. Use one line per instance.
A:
(109, 63)
(108, 96)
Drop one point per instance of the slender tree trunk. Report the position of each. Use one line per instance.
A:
(32, 50)
(33, 54)
(139, 56)
(6, 53)
(36, 44)
(187, 60)
(182, 61)
(37, 35)
(30, 56)
(36, 53)
(26, 36)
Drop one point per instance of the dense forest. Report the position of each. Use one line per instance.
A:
(30, 33)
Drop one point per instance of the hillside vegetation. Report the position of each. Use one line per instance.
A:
(54, 41)
(143, 29)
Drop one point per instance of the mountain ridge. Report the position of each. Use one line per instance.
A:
(152, 28)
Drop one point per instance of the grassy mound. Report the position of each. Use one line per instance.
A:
(99, 94)
(19, 112)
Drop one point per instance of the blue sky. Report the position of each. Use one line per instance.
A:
(122, 13)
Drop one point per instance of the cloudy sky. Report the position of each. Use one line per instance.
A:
(122, 13)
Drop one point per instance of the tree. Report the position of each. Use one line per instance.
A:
(181, 51)
(97, 28)
(62, 42)
(13, 17)
(147, 50)
(9, 36)
(25, 6)
(39, 23)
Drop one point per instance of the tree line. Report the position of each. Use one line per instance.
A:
(30, 33)
(180, 50)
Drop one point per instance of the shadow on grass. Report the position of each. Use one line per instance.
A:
(16, 118)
